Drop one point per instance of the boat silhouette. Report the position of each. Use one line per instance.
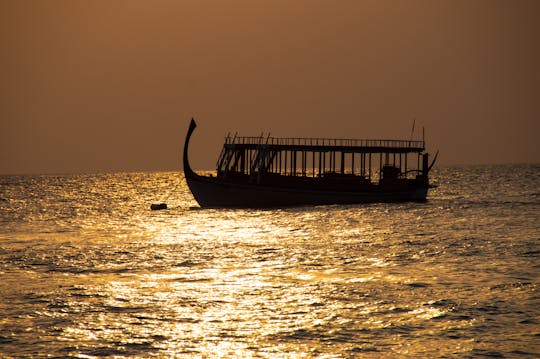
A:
(262, 172)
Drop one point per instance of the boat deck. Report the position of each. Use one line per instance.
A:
(323, 144)
(296, 156)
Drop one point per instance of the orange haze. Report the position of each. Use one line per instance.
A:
(111, 85)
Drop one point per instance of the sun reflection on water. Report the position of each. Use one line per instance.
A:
(239, 296)
(110, 278)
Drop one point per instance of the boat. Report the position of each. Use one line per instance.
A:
(272, 172)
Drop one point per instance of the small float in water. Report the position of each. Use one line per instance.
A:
(258, 172)
(158, 206)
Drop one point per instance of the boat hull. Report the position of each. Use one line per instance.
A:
(211, 192)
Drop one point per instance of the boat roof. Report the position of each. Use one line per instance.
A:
(324, 144)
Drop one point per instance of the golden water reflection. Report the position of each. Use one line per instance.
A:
(252, 308)
(332, 281)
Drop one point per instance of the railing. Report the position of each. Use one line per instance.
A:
(341, 142)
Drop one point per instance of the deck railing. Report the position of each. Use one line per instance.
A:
(303, 141)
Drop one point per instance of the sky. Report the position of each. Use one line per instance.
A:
(93, 86)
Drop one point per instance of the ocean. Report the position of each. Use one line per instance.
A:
(87, 270)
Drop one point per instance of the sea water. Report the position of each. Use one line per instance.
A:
(88, 270)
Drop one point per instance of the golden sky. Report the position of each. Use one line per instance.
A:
(92, 86)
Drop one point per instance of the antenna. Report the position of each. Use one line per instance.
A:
(412, 131)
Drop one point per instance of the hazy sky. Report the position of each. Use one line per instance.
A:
(92, 86)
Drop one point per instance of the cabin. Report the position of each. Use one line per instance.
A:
(344, 164)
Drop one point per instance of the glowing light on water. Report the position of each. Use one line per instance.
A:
(109, 277)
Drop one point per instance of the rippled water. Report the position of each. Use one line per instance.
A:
(88, 270)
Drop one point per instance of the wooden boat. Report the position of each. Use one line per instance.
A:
(258, 172)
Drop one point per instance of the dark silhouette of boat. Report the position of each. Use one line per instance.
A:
(259, 172)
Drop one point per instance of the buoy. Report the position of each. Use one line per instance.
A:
(158, 206)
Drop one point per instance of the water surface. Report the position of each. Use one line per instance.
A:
(88, 270)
